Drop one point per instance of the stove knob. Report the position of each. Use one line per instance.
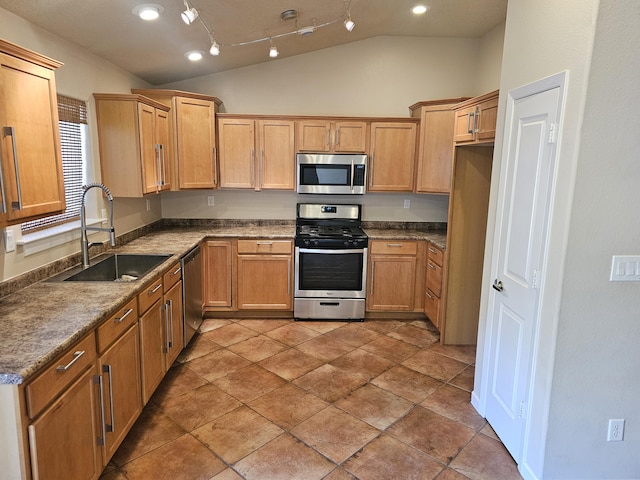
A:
(346, 243)
(306, 242)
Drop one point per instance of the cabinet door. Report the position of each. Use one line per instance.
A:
(148, 151)
(391, 283)
(350, 137)
(163, 156)
(436, 152)
(486, 122)
(217, 273)
(391, 165)
(195, 125)
(264, 282)
(30, 151)
(276, 161)
(120, 367)
(313, 135)
(153, 346)
(432, 308)
(174, 325)
(465, 119)
(64, 439)
(237, 155)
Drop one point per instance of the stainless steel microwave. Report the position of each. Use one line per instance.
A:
(338, 174)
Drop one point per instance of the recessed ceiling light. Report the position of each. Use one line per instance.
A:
(194, 55)
(148, 11)
(419, 9)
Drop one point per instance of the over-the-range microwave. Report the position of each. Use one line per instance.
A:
(337, 174)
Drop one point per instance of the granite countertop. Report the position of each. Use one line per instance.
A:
(41, 321)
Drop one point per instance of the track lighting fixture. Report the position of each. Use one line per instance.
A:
(273, 51)
(215, 48)
(190, 14)
(348, 24)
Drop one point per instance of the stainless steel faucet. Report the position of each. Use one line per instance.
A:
(84, 238)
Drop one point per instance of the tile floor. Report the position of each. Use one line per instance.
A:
(278, 399)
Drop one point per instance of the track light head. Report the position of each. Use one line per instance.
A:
(273, 51)
(190, 14)
(215, 49)
(349, 24)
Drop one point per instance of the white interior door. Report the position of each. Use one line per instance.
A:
(518, 260)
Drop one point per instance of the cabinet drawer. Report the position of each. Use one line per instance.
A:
(393, 247)
(119, 323)
(264, 246)
(41, 391)
(150, 295)
(172, 276)
(432, 308)
(435, 254)
(434, 278)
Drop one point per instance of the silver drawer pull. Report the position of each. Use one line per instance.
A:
(151, 292)
(76, 356)
(431, 265)
(176, 271)
(394, 245)
(432, 250)
(126, 314)
(264, 243)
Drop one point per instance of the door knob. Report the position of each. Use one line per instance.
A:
(497, 285)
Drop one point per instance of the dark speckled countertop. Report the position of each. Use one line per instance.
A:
(39, 322)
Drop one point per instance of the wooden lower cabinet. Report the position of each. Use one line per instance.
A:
(174, 324)
(217, 274)
(433, 284)
(64, 439)
(152, 349)
(392, 276)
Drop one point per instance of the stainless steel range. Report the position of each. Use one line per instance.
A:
(330, 262)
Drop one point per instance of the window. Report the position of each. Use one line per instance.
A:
(72, 115)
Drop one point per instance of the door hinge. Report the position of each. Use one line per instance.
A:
(534, 279)
(521, 409)
(552, 132)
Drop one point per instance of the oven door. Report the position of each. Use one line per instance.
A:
(330, 273)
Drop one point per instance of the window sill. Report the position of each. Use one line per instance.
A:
(42, 240)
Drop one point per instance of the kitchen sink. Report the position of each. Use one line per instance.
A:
(120, 267)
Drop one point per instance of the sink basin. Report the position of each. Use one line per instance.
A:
(116, 267)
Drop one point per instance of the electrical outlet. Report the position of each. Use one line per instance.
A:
(407, 203)
(9, 241)
(210, 201)
(615, 433)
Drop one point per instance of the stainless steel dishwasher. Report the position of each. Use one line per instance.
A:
(191, 292)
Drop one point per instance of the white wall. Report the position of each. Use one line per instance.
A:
(588, 372)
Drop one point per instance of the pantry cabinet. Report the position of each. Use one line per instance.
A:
(475, 120)
(392, 275)
(334, 136)
(256, 153)
(30, 158)
(435, 152)
(133, 136)
(192, 133)
(265, 274)
(392, 153)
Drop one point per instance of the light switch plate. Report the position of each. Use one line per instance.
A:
(625, 268)
(9, 241)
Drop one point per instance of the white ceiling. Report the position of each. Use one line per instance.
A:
(155, 50)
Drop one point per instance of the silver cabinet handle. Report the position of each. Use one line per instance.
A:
(103, 428)
(432, 250)
(289, 277)
(337, 136)
(76, 356)
(3, 197)
(163, 171)
(251, 162)
(171, 322)
(165, 309)
(469, 127)
(155, 289)
(497, 285)
(371, 170)
(176, 271)
(107, 369)
(10, 132)
(126, 314)
(260, 170)
(429, 295)
(264, 243)
(431, 265)
(373, 266)
(476, 121)
(215, 167)
(352, 173)
(394, 245)
(156, 148)
(328, 137)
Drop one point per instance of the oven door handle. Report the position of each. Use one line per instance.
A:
(332, 251)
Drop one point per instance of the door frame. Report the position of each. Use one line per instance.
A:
(531, 462)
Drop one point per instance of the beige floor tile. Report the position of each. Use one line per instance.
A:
(227, 474)
(391, 348)
(339, 474)
(178, 380)
(257, 348)
(329, 383)
(291, 364)
(420, 337)
(152, 430)
(237, 434)
(407, 383)
(463, 353)
(229, 334)
(325, 348)
(113, 475)
(363, 363)
(249, 383)
(378, 407)
(448, 474)
(199, 406)
(324, 327)
(464, 379)
(489, 432)
(455, 404)
(434, 434)
(383, 325)
(485, 459)
(353, 334)
(335, 434)
(184, 457)
(209, 324)
(282, 459)
(387, 458)
(198, 347)
(435, 365)
(263, 325)
(292, 334)
(287, 406)
(217, 364)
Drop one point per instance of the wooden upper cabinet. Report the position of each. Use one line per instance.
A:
(434, 144)
(392, 154)
(192, 131)
(256, 153)
(475, 119)
(131, 128)
(335, 136)
(31, 162)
